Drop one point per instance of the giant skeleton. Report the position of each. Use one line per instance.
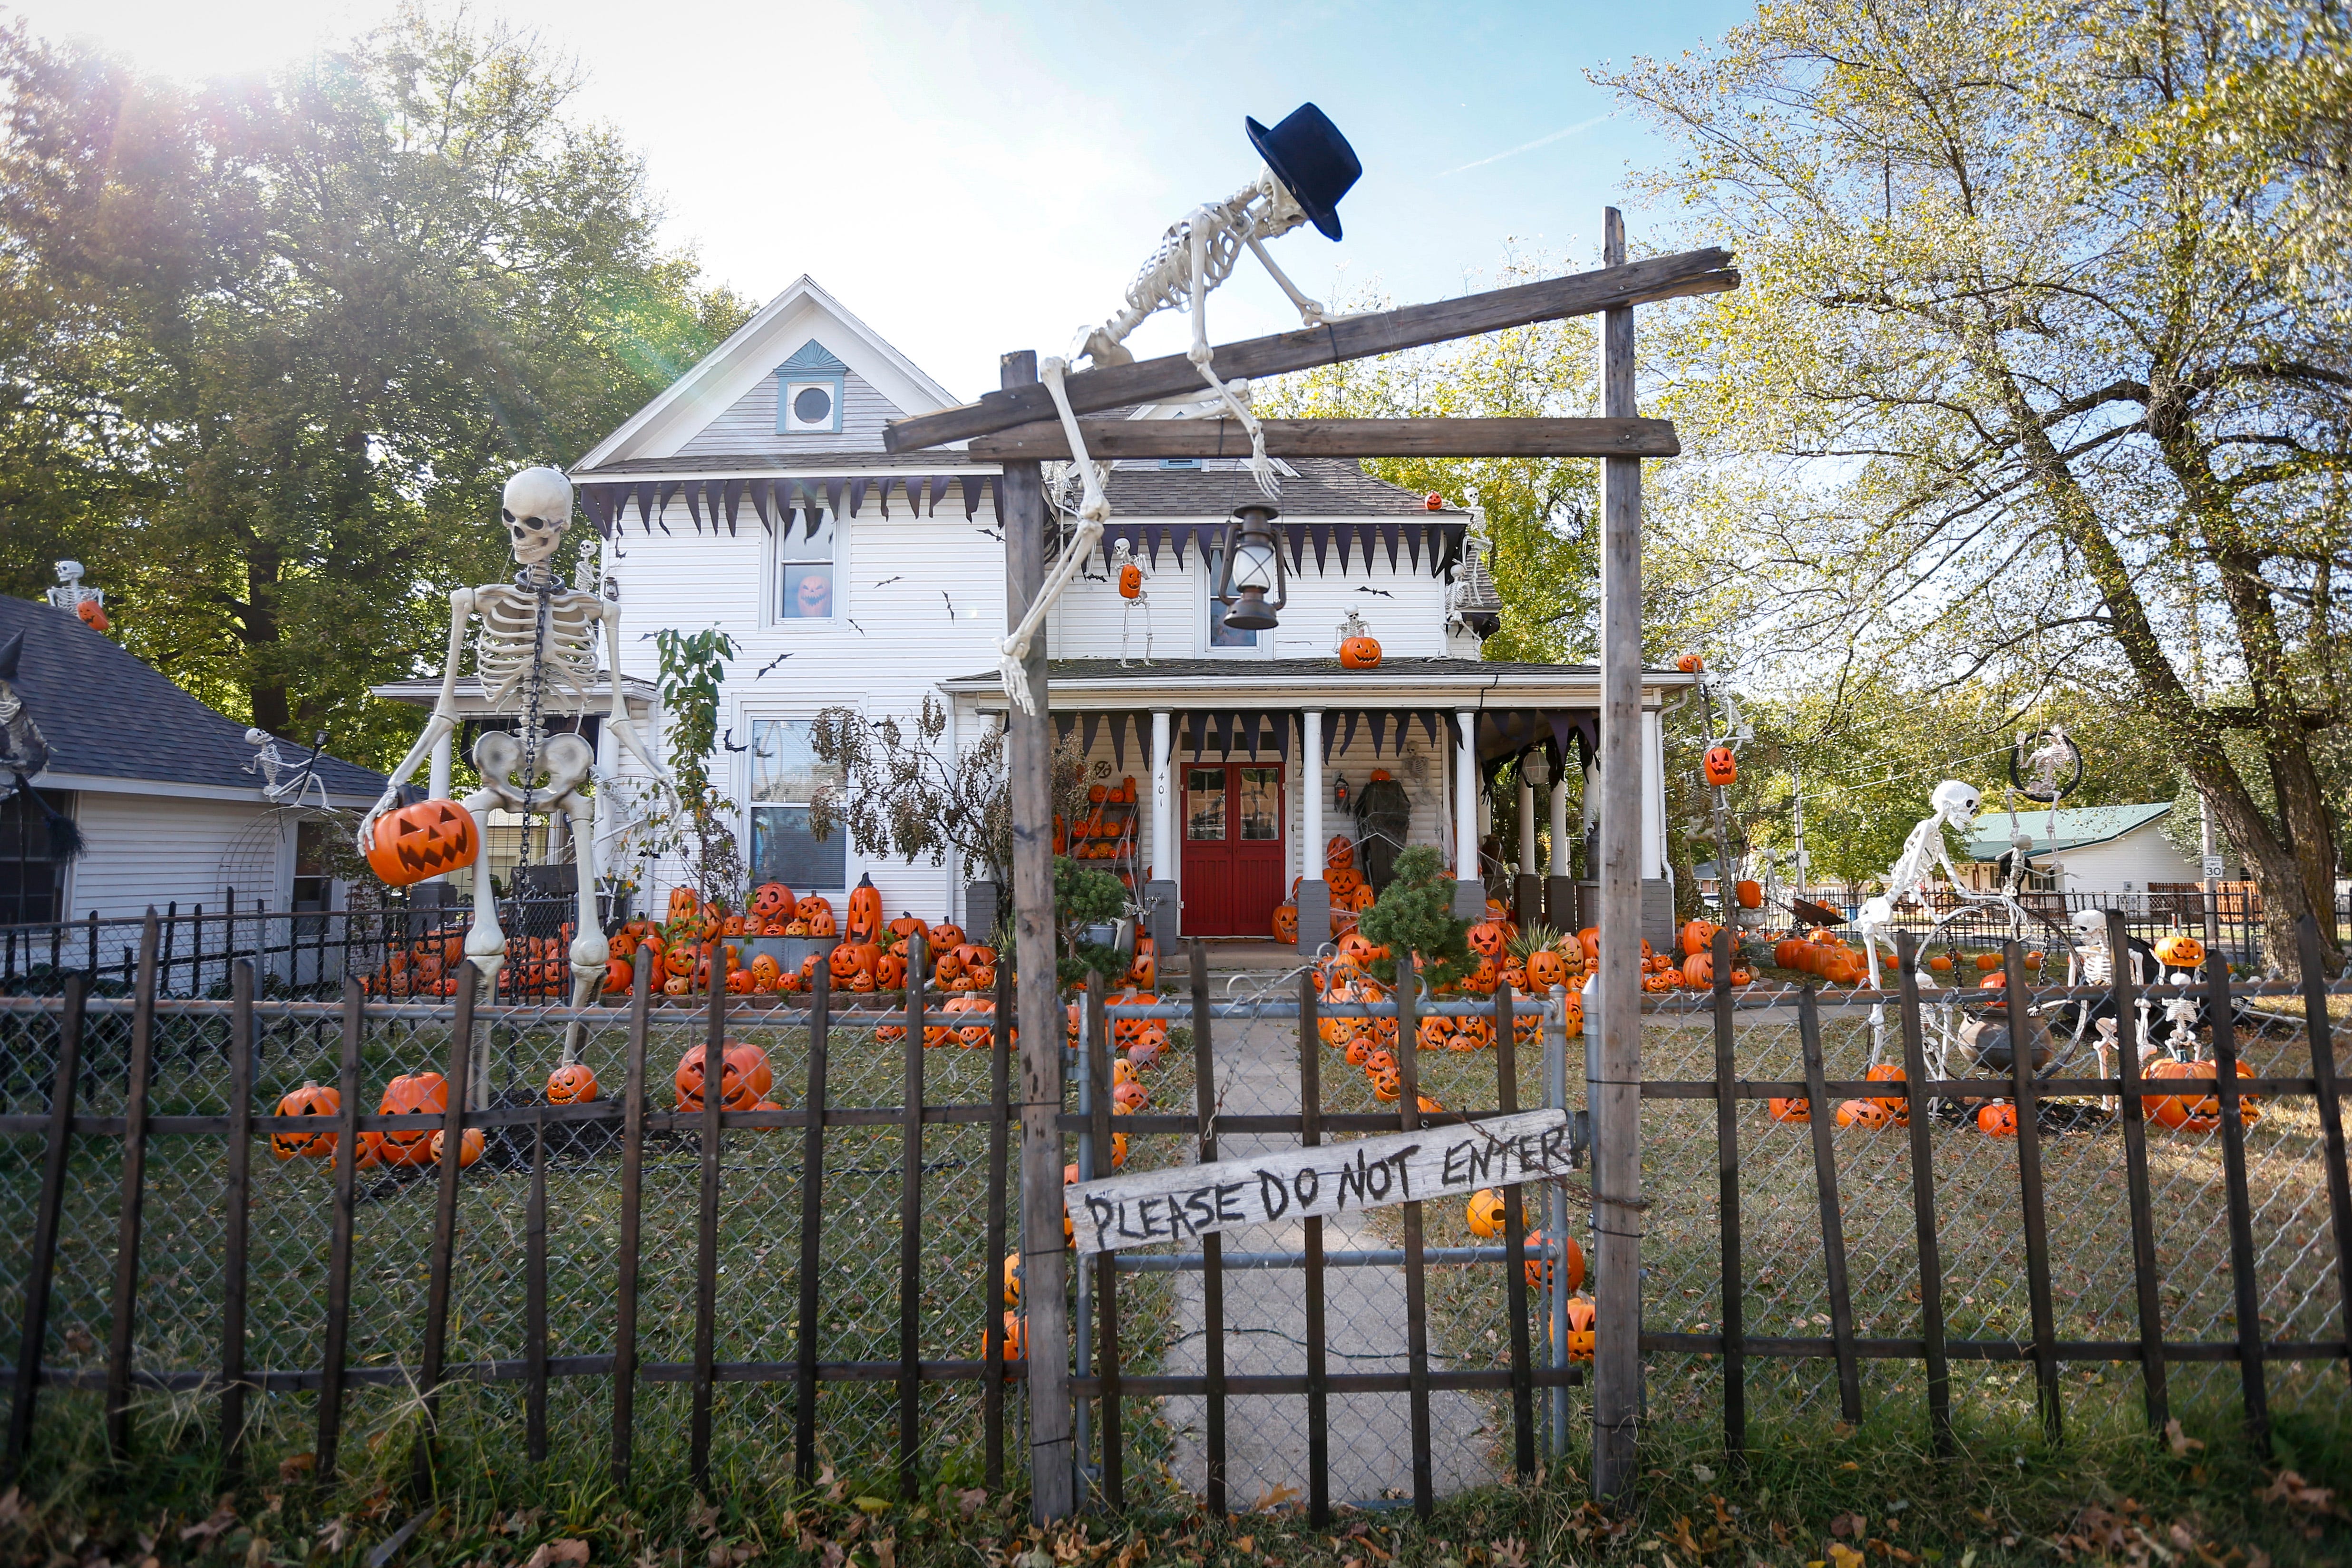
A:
(535, 654)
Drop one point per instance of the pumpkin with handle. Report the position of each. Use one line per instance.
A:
(1997, 1118)
(1486, 1213)
(470, 1145)
(1584, 1336)
(1539, 1267)
(1720, 767)
(2179, 949)
(1362, 652)
(427, 839)
(2199, 1110)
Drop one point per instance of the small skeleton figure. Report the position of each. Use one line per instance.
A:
(1951, 803)
(89, 603)
(286, 783)
(535, 654)
(1131, 574)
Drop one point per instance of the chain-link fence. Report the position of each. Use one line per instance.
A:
(602, 1284)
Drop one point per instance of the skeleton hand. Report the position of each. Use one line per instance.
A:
(390, 799)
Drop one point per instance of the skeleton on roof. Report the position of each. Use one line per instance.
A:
(535, 654)
(1308, 167)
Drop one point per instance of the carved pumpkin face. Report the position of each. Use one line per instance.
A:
(1486, 1213)
(1286, 922)
(1798, 1111)
(771, 901)
(422, 840)
(2179, 949)
(1998, 1120)
(1570, 1264)
(678, 985)
(812, 596)
(1130, 581)
(865, 911)
(571, 1084)
(470, 1144)
(890, 971)
(1720, 767)
(946, 936)
(684, 905)
(1487, 938)
(681, 959)
(1581, 1336)
(1359, 653)
(310, 1099)
(1340, 852)
(904, 927)
(848, 962)
(1863, 1113)
(1546, 969)
(1387, 1086)
(425, 1093)
(808, 906)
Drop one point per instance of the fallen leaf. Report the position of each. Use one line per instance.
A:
(2178, 1441)
(554, 1551)
(223, 1519)
(1845, 1556)
(971, 1501)
(295, 1466)
(870, 1505)
(335, 1534)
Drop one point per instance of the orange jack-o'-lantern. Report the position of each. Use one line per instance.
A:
(1488, 938)
(1340, 852)
(470, 1144)
(771, 902)
(1486, 1213)
(310, 1099)
(1539, 1267)
(848, 962)
(1130, 581)
(2174, 950)
(765, 973)
(907, 926)
(1690, 664)
(1546, 969)
(1720, 767)
(1286, 922)
(1789, 1110)
(1582, 1324)
(685, 904)
(425, 1093)
(422, 840)
(890, 971)
(1863, 1113)
(946, 936)
(571, 1084)
(865, 911)
(1362, 652)
(1998, 1120)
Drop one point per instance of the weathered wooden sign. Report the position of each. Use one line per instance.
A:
(1187, 1201)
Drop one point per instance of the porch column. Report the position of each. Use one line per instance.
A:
(1469, 889)
(1527, 888)
(1161, 893)
(1314, 892)
(1559, 887)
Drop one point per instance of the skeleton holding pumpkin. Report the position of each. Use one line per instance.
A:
(536, 655)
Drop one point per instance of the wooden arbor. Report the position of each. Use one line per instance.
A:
(1017, 426)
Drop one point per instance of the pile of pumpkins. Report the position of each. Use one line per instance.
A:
(1691, 967)
(1101, 834)
(1485, 1214)
(1992, 976)
(692, 947)
(535, 966)
(412, 1094)
(1351, 895)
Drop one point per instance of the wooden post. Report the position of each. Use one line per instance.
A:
(134, 1194)
(2028, 1091)
(1030, 747)
(625, 1265)
(812, 1225)
(236, 1199)
(1318, 1392)
(991, 1296)
(339, 1241)
(2132, 1113)
(1515, 1240)
(1923, 1195)
(706, 1251)
(41, 1266)
(1726, 1191)
(1616, 1094)
(2331, 1112)
(1213, 1247)
(910, 1229)
(2221, 1013)
(1826, 1185)
(1098, 1102)
(442, 1265)
(1417, 1296)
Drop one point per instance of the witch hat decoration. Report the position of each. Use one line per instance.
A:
(1310, 157)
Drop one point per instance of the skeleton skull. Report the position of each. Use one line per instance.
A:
(1955, 802)
(537, 508)
(70, 573)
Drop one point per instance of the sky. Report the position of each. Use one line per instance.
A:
(975, 178)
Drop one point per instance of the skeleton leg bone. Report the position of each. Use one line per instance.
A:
(590, 949)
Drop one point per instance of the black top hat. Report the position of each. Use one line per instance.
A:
(1310, 157)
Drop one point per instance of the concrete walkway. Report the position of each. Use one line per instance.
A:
(1371, 1440)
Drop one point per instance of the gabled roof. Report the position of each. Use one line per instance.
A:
(784, 328)
(108, 714)
(2075, 827)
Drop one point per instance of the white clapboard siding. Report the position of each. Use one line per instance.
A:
(749, 424)
(142, 849)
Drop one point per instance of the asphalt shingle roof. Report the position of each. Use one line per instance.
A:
(1325, 486)
(107, 713)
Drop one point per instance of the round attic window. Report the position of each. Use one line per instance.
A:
(813, 405)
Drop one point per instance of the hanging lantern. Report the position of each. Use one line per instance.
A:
(1254, 568)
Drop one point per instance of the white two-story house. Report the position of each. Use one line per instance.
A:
(756, 495)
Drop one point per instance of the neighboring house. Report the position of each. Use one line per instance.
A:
(168, 795)
(755, 495)
(2099, 848)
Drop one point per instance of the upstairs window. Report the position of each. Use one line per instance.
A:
(805, 585)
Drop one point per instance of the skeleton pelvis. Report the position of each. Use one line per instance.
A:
(564, 762)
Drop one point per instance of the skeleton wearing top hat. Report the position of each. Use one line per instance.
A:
(1308, 167)
(535, 654)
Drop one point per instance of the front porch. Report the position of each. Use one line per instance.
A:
(1245, 771)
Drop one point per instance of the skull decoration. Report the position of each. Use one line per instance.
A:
(536, 508)
(1956, 801)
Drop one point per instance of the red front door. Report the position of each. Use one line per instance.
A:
(1233, 859)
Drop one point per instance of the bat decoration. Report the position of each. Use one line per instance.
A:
(727, 739)
(888, 581)
(771, 664)
(861, 630)
(1383, 593)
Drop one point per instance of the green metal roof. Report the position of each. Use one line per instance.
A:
(2075, 828)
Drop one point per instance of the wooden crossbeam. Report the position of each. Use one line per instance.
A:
(1645, 282)
(1108, 439)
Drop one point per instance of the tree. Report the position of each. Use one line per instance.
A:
(2028, 390)
(1537, 510)
(1414, 918)
(688, 820)
(270, 349)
